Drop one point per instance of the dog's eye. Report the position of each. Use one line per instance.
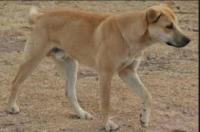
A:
(170, 26)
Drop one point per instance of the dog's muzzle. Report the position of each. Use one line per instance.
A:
(184, 41)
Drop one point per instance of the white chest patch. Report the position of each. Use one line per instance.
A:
(131, 61)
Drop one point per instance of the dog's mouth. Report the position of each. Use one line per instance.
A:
(170, 44)
(177, 46)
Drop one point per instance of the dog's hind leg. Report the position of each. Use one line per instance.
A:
(70, 69)
(33, 54)
(131, 78)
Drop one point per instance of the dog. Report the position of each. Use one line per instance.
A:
(107, 42)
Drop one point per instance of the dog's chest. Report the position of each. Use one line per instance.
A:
(129, 60)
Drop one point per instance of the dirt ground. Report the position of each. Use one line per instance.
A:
(170, 74)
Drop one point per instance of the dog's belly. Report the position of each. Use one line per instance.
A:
(85, 58)
(84, 51)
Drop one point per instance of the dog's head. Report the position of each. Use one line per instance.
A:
(163, 26)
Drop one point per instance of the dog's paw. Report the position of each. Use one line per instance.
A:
(143, 121)
(111, 126)
(85, 115)
(143, 124)
(13, 109)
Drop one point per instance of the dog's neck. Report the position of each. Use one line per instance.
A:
(133, 27)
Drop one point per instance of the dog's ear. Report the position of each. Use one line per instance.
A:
(153, 15)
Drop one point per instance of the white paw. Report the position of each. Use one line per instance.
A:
(111, 126)
(85, 115)
(144, 118)
(13, 109)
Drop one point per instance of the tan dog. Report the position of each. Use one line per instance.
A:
(109, 43)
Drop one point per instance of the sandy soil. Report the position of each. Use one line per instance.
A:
(170, 74)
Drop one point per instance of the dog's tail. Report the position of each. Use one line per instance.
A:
(33, 14)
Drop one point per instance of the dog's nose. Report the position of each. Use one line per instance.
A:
(186, 40)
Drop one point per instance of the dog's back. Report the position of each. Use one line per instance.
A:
(73, 30)
(70, 14)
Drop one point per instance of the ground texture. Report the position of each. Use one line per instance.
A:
(170, 74)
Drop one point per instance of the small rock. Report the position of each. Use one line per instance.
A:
(178, 7)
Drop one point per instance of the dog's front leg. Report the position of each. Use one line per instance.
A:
(105, 88)
(131, 78)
